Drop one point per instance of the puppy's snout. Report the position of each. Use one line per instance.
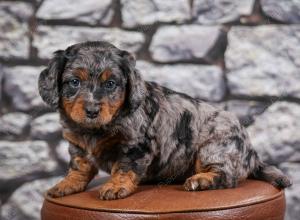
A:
(92, 111)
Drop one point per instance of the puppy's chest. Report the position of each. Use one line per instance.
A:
(93, 145)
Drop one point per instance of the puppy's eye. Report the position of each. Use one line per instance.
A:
(75, 83)
(110, 84)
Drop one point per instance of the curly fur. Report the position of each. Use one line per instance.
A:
(143, 132)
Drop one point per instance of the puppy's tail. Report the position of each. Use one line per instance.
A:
(271, 174)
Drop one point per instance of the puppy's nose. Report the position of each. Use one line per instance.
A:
(92, 112)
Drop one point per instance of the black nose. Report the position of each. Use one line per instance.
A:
(92, 112)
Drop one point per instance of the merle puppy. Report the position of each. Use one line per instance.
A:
(140, 131)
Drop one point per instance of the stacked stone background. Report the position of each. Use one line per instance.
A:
(243, 56)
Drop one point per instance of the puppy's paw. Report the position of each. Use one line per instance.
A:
(201, 181)
(66, 187)
(110, 191)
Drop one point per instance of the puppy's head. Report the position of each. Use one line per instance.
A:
(91, 83)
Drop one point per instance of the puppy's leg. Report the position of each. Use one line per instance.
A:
(207, 180)
(121, 184)
(217, 166)
(80, 173)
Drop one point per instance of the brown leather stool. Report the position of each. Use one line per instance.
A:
(251, 200)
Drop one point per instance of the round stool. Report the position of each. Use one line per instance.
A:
(252, 199)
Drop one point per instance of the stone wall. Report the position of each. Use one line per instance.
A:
(243, 56)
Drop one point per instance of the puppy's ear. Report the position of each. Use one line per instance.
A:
(49, 79)
(135, 84)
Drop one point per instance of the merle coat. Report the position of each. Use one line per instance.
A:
(140, 131)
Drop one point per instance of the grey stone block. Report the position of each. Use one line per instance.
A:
(49, 39)
(221, 11)
(21, 87)
(144, 12)
(89, 11)
(246, 110)
(13, 125)
(292, 193)
(46, 127)
(26, 202)
(275, 133)
(186, 42)
(62, 151)
(287, 11)
(24, 157)
(14, 33)
(264, 61)
(200, 81)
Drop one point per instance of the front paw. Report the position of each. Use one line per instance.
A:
(66, 187)
(110, 191)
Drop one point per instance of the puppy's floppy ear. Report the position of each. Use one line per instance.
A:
(49, 79)
(135, 84)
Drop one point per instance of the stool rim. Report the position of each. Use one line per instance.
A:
(109, 206)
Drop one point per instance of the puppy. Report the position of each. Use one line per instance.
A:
(140, 131)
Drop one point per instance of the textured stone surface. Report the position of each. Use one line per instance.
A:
(246, 110)
(196, 80)
(89, 11)
(221, 11)
(186, 42)
(143, 12)
(26, 202)
(62, 151)
(1, 78)
(24, 157)
(13, 125)
(257, 67)
(292, 193)
(287, 11)
(46, 127)
(275, 133)
(261, 60)
(14, 33)
(21, 86)
(49, 39)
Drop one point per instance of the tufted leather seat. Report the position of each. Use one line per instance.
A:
(251, 200)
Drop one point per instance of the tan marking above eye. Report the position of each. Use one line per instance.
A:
(81, 73)
(105, 75)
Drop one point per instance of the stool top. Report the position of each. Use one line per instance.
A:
(172, 198)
